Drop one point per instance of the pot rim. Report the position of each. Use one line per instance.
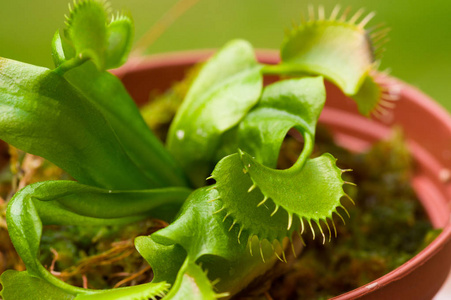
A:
(178, 58)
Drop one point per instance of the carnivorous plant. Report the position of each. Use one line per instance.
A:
(229, 128)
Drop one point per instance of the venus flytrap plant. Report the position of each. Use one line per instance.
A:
(81, 118)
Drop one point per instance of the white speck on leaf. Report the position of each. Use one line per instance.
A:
(180, 134)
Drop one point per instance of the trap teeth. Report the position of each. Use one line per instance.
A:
(233, 224)
(290, 221)
(262, 202)
(218, 211)
(251, 188)
(366, 19)
(349, 198)
(275, 210)
(239, 234)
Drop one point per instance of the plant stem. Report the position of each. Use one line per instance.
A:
(70, 64)
(305, 154)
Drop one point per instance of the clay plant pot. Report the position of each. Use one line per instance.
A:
(427, 128)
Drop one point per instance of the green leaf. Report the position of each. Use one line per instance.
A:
(22, 286)
(53, 212)
(336, 49)
(340, 50)
(91, 201)
(28, 210)
(311, 192)
(252, 195)
(75, 204)
(166, 260)
(295, 103)
(194, 217)
(41, 113)
(261, 190)
(106, 92)
(191, 283)
(61, 50)
(242, 206)
(87, 30)
(139, 292)
(213, 245)
(25, 230)
(120, 39)
(227, 87)
(299, 190)
(286, 104)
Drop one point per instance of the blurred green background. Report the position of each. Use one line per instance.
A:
(419, 50)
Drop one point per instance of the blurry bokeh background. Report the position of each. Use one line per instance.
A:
(419, 51)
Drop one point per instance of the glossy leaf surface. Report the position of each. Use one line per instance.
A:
(20, 285)
(76, 204)
(227, 87)
(287, 104)
(242, 206)
(201, 234)
(139, 292)
(106, 92)
(312, 192)
(252, 192)
(335, 49)
(41, 113)
(340, 50)
(61, 49)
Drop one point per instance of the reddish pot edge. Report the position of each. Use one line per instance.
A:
(441, 245)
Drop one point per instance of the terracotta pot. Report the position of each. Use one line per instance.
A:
(428, 131)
